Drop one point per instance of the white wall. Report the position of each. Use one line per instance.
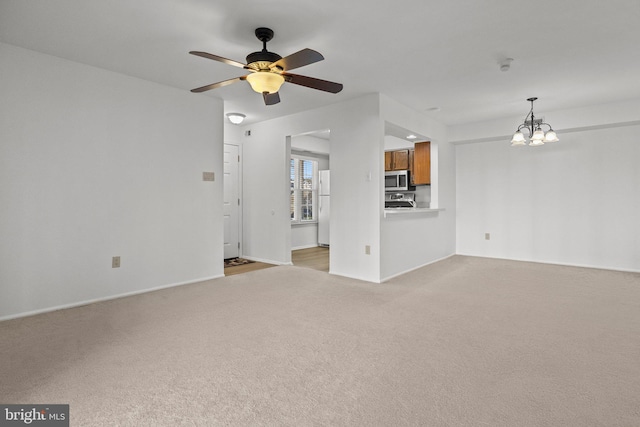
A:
(304, 236)
(411, 240)
(311, 143)
(356, 176)
(94, 164)
(572, 202)
(232, 133)
(357, 190)
(394, 143)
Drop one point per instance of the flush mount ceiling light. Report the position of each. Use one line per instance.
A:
(534, 126)
(236, 118)
(412, 136)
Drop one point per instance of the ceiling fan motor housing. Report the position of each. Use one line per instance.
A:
(261, 60)
(262, 57)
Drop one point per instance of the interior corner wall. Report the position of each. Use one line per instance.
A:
(356, 177)
(95, 164)
(573, 202)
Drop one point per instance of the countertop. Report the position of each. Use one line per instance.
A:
(408, 211)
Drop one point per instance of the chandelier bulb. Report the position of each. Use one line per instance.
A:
(518, 139)
(551, 136)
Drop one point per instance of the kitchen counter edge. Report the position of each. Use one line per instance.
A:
(405, 211)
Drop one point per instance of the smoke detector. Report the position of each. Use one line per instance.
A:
(505, 64)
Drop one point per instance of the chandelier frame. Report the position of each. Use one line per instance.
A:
(537, 136)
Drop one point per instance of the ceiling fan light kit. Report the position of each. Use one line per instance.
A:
(533, 126)
(264, 81)
(268, 71)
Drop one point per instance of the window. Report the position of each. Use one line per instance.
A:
(304, 186)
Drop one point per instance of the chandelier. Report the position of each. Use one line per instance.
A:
(534, 127)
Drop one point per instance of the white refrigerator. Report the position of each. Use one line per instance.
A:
(324, 207)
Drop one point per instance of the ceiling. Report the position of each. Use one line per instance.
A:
(438, 57)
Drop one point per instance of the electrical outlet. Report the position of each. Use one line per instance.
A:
(115, 262)
(487, 236)
(367, 250)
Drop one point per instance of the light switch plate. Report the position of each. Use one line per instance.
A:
(208, 176)
(115, 262)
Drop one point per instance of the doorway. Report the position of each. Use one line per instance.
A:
(310, 203)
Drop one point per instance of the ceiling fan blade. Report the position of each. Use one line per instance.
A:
(271, 98)
(298, 59)
(218, 58)
(313, 83)
(217, 85)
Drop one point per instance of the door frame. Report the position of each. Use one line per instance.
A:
(240, 196)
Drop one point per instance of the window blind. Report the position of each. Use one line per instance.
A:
(303, 184)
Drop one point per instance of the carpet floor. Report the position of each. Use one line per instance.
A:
(463, 342)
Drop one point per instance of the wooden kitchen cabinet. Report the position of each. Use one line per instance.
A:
(396, 160)
(411, 156)
(417, 161)
(422, 163)
(401, 160)
(388, 160)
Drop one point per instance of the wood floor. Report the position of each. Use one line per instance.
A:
(245, 268)
(315, 258)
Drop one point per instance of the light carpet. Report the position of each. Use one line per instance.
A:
(463, 342)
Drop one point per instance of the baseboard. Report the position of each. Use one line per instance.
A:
(108, 298)
(266, 261)
(349, 276)
(297, 248)
(564, 264)
(416, 268)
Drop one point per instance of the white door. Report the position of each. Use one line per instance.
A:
(231, 208)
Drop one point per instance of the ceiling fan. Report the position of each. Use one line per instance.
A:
(268, 70)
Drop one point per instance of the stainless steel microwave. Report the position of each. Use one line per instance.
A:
(398, 181)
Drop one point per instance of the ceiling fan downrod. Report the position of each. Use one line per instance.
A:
(263, 58)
